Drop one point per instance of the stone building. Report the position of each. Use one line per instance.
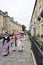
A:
(36, 23)
(7, 23)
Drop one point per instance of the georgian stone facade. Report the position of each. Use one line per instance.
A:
(36, 23)
(7, 24)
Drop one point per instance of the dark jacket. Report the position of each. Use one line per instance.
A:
(7, 39)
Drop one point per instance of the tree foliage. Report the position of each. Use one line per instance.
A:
(23, 27)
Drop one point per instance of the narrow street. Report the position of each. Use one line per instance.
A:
(18, 58)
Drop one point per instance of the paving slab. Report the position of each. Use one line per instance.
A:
(18, 58)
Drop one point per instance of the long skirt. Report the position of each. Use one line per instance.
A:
(20, 45)
(13, 48)
(5, 49)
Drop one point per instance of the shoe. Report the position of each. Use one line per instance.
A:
(13, 50)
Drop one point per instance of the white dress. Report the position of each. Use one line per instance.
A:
(20, 44)
(13, 46)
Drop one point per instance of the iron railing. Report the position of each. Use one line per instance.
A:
(38, 53)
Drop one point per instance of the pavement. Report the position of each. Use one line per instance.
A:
(18, 58)
(0, 46)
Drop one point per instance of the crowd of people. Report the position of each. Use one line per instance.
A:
(16, 42)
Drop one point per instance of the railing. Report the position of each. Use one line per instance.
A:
(38, 53)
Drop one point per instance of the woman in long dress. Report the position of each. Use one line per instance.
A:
(13, 42)
(6, 40)
(20, 43)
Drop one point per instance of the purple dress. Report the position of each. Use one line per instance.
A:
(5, 46)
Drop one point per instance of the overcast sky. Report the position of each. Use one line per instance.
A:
(21, 10)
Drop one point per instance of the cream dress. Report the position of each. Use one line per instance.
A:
(20, 44)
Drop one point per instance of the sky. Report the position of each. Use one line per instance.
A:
(21, 10)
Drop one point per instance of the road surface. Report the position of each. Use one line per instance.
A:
(17, 58)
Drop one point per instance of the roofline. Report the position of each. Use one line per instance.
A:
(34, 8)
(2, 13)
